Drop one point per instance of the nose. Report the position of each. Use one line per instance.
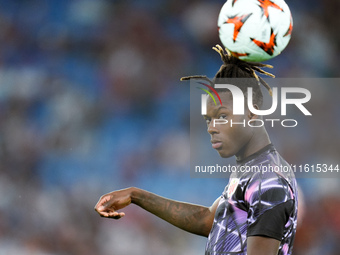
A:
(212, 128)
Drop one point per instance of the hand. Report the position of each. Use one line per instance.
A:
(108, 204)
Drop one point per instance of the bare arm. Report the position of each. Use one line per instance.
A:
(260, 245)
(195, 219)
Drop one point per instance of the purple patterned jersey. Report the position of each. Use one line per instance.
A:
(259, 200)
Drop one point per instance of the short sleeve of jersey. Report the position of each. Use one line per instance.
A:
(270, 202)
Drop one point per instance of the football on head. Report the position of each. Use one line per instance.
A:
(255, 30)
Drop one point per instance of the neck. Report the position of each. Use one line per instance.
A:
(259, 140)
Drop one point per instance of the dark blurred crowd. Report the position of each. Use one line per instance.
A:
(90, 101)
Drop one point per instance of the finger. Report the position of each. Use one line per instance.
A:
(103, 214)
(103, 200)
(112, 214)
(118, 216)
(100, 206)
(115, 215)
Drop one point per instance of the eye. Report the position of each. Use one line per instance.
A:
(222, 116)
(207, 121)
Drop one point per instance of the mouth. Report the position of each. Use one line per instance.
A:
(216, 144)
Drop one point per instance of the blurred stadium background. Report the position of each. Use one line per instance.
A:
(90, 101)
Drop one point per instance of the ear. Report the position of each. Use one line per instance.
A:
(252, 115)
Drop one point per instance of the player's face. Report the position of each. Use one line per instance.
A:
(227, 139)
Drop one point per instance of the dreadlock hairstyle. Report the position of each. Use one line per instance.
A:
(233, 67)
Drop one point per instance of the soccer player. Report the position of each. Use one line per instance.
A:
(257, 211)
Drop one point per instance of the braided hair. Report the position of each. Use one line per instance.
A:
(234, 67)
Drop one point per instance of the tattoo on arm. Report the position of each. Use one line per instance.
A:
(189, 217)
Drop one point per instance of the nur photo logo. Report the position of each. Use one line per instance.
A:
(294, 96)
